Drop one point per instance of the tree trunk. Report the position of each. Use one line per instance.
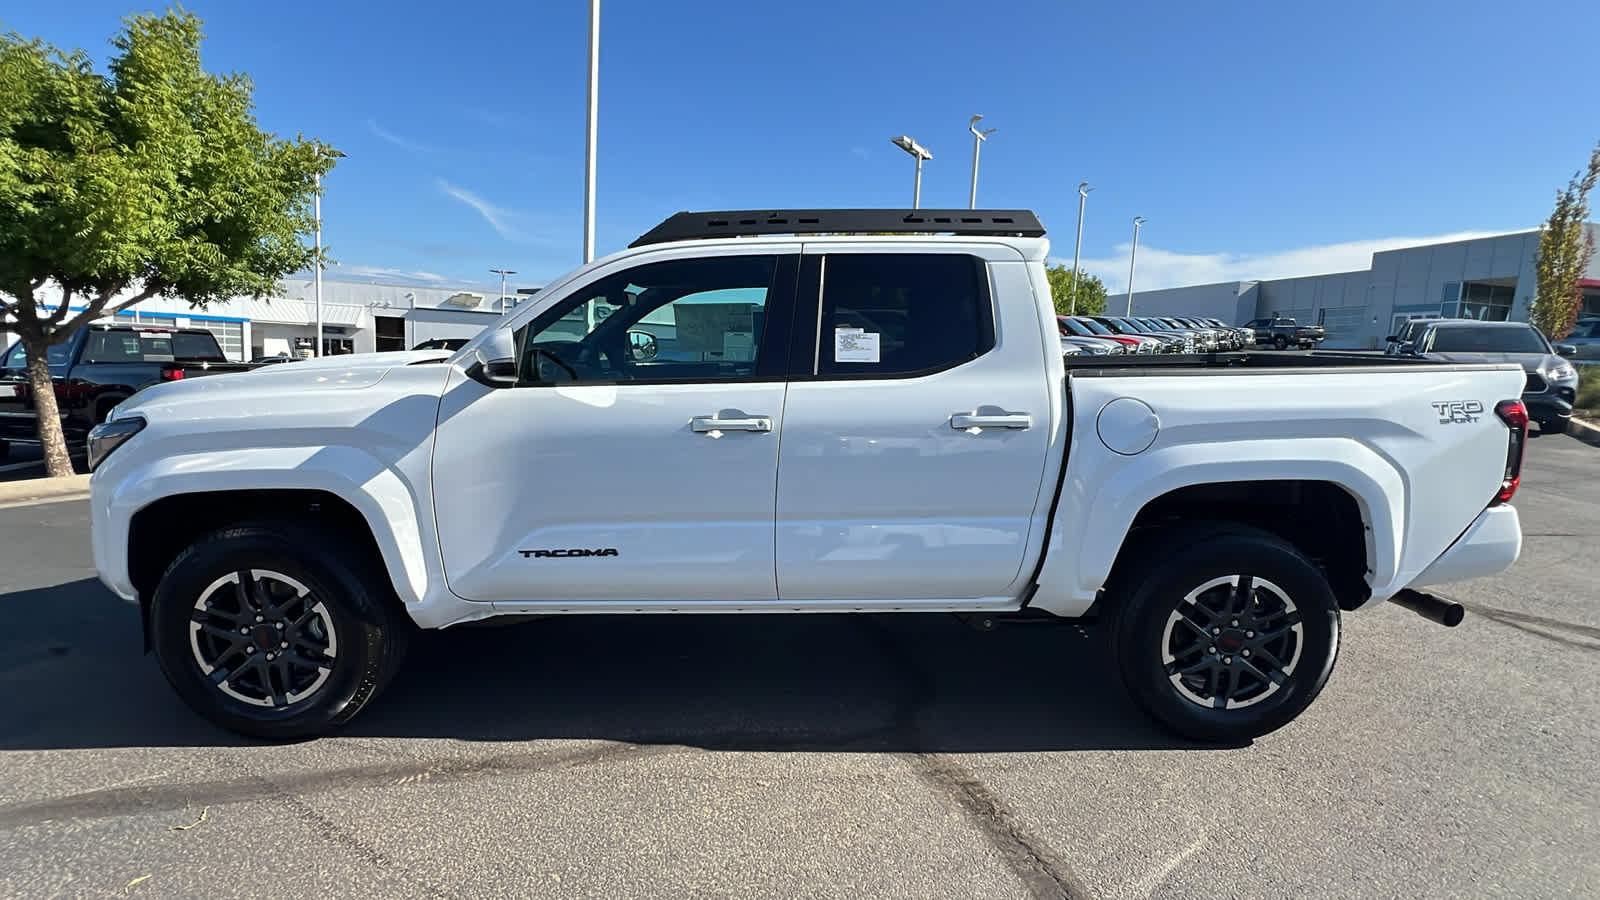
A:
(52, 442)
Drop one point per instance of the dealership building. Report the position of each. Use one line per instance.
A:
(1490, 278)
(357, 317)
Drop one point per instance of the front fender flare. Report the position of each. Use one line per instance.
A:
(379, 492)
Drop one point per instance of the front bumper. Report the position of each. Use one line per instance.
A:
(1554, 403)
(1488, 547)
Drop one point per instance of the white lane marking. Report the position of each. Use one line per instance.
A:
(39, 501)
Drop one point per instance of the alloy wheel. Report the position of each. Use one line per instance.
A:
(263, 638)
(1232, 642)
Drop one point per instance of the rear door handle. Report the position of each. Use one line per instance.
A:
(704, 424)
(963, 421)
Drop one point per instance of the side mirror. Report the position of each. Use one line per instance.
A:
(1393, 339)
(642, 346)
(1567, 350)
(495, 360)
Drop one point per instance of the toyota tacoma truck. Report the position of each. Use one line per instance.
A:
(817, 411)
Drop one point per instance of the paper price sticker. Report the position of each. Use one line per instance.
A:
(855, 345)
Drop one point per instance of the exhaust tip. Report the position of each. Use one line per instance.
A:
(1434, 609)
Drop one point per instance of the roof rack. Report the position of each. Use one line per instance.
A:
(747, 223)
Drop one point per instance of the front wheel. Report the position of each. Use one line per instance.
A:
(275, 631)
(1227, 637)
(1280, 342)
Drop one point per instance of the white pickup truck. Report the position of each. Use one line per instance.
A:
(809, 411)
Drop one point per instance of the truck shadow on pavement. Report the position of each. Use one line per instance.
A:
(73, 675)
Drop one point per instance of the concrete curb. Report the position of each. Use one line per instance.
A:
(73, 487)
(1588, 432)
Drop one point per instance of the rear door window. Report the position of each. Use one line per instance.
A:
(897, 315)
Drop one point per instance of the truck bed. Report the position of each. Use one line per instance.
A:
(1242, 360)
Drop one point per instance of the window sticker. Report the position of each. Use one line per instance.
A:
(855, 345)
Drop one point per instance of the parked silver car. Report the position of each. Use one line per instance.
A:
(1584, 341)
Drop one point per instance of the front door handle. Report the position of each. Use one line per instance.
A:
(705, 424)
(963, 421)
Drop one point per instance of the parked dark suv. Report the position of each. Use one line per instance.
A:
(1552, 382)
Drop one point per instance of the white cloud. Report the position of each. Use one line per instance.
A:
(397, 140)
(498, 218)
(1158, 268)
(381, 272)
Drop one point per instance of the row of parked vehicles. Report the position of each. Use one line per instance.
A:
(1121, 335)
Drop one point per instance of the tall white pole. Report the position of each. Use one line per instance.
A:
(1083, 195)
(594, 124)
(316, 210)
(1138, 221)
(916, 191)
(977, 141)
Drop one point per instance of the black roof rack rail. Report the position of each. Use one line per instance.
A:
(746, 223)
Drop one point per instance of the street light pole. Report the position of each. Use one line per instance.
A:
(594, 124)
(316, 213)
(1083, 195)
(978, 137)
(503, 273)
(920, 153)
(1138, 221)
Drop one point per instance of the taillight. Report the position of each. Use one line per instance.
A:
(1515, 415)
(171, 374)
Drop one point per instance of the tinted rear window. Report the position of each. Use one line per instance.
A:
(897, 314)
(151, 346)
(1496, 339)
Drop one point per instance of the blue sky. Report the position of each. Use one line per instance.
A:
(1259, 139)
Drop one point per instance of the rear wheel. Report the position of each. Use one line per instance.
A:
(1280, 342)
(276, 631)
(1224, 637)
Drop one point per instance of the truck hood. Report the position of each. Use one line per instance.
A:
(298, 378)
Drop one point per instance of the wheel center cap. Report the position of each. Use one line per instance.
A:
(1231, 641)
(265, 637)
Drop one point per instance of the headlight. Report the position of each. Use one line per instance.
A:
(108, 436)
(1563, 372)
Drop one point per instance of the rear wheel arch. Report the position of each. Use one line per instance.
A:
(1320, 519)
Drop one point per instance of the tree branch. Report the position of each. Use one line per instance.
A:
(98, 310)
(60, 312)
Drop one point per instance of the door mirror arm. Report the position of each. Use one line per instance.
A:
(494, 361)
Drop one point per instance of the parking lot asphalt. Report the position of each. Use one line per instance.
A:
(821, 756)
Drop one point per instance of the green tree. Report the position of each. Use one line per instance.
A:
(1091, 292)
(1565, 249)
(152, 178)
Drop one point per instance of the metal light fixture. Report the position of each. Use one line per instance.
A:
(1138, 222)
(978, 137)
(920, 153)
(503, 273)
(1083, 195)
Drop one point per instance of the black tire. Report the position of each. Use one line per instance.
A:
(1280, 342)
(358, 631)
(1157, 576)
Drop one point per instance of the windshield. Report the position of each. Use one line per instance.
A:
(1072, 326)
(1093, 326)
(1486, 339)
